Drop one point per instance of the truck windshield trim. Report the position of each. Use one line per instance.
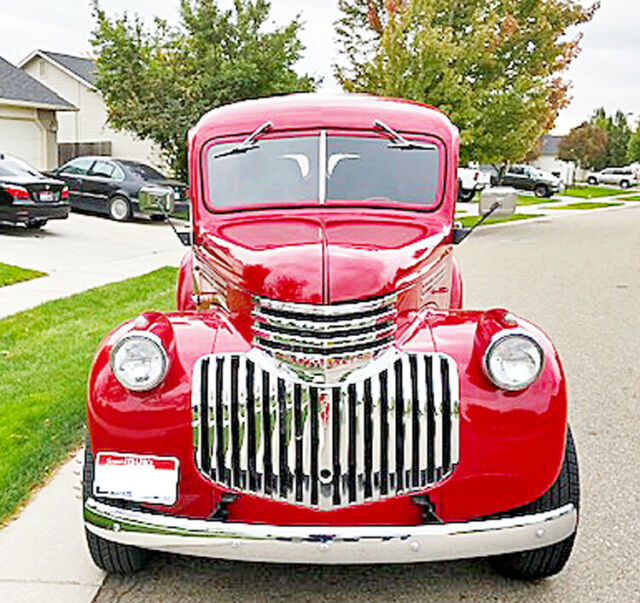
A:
(323, 168)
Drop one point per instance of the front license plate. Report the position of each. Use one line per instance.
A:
(150, 479)
(46, 196)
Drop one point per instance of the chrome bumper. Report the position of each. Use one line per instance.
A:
(328, 544)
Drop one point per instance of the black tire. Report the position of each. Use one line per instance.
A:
(119, 208)
(625, 184)
(591, 180)
(549, 560)
(466, 196)
(109, 556)
(541, 191)
(36, 224)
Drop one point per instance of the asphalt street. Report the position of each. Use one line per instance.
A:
(578, 278)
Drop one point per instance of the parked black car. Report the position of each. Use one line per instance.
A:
(29, 197)
(121, 188)
(528, 178)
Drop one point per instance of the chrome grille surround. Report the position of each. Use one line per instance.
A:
(390, 429)
(323, 343)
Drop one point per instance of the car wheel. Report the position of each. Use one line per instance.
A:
(549, 560)
(119, 209)
(541, 191)
(625, 184)
(591, 180)
(36, 224)
(466, 196)
(112, 557)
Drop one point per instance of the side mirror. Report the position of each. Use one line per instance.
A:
(505, 196)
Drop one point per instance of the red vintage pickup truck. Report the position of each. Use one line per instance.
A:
(320, 396)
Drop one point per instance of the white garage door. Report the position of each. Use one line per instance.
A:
(22, 138)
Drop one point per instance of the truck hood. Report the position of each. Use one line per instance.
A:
(321, 258)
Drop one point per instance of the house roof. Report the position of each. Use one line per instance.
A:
(550, 145)
(19, 88)
(78, 67)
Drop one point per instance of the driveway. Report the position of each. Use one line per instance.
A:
(579, 279)
(82, 252)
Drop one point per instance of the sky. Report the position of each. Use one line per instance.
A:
(606, 73)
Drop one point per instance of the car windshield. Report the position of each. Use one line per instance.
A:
(141, 170)
(317, 169)
(12, 166)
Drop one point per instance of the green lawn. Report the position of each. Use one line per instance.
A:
(631, 198)
(592, 192)
(9, 275)
(468, 221)
(527, 200)
(45, 354)
(587, 205)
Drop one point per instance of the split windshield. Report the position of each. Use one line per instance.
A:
(317, 169)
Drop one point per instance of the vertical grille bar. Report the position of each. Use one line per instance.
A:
(351, 480)
(266, 433)
(297, 416)
(335, 440)
(205, 458)
(384, 434)
(399, 426)
(368, 440)
(283, 472)
(235, 423)
(222, 475)
(250, 435)
(415, 423)
(446, 417)
(431, 424)
(315, 444)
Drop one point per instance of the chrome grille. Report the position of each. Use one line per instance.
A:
(389, 433)
(323, 343)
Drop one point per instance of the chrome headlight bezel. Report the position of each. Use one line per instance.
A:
(148, 338)
(496, 341)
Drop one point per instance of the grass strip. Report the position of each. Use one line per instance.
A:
(587, 205)
(468, 221)
(45, 355)
(591, 192)
(631, 198)
(10, 275)
(526, 200)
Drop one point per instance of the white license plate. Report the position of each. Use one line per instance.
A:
(46, 196)
(141, 478)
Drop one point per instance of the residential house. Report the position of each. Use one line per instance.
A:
(85, 132)
(548, 160)
(28, 122)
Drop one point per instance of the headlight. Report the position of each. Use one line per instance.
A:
(139, 361)
(513, 361)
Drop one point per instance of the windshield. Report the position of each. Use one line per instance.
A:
(352, 169)
(12, 166)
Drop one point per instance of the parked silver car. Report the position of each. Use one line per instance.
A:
(624, 177)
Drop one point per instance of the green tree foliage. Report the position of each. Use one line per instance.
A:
(586, 145)
(618, 134)
(157, 82)
(494, 67)
(633, 148)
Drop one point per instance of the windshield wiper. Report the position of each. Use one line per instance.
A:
(400, 142)
(248, 143)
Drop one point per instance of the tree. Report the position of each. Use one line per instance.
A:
(158, 82)
(494, 67)
(633, 148)
(586, 145)
(618, 132)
